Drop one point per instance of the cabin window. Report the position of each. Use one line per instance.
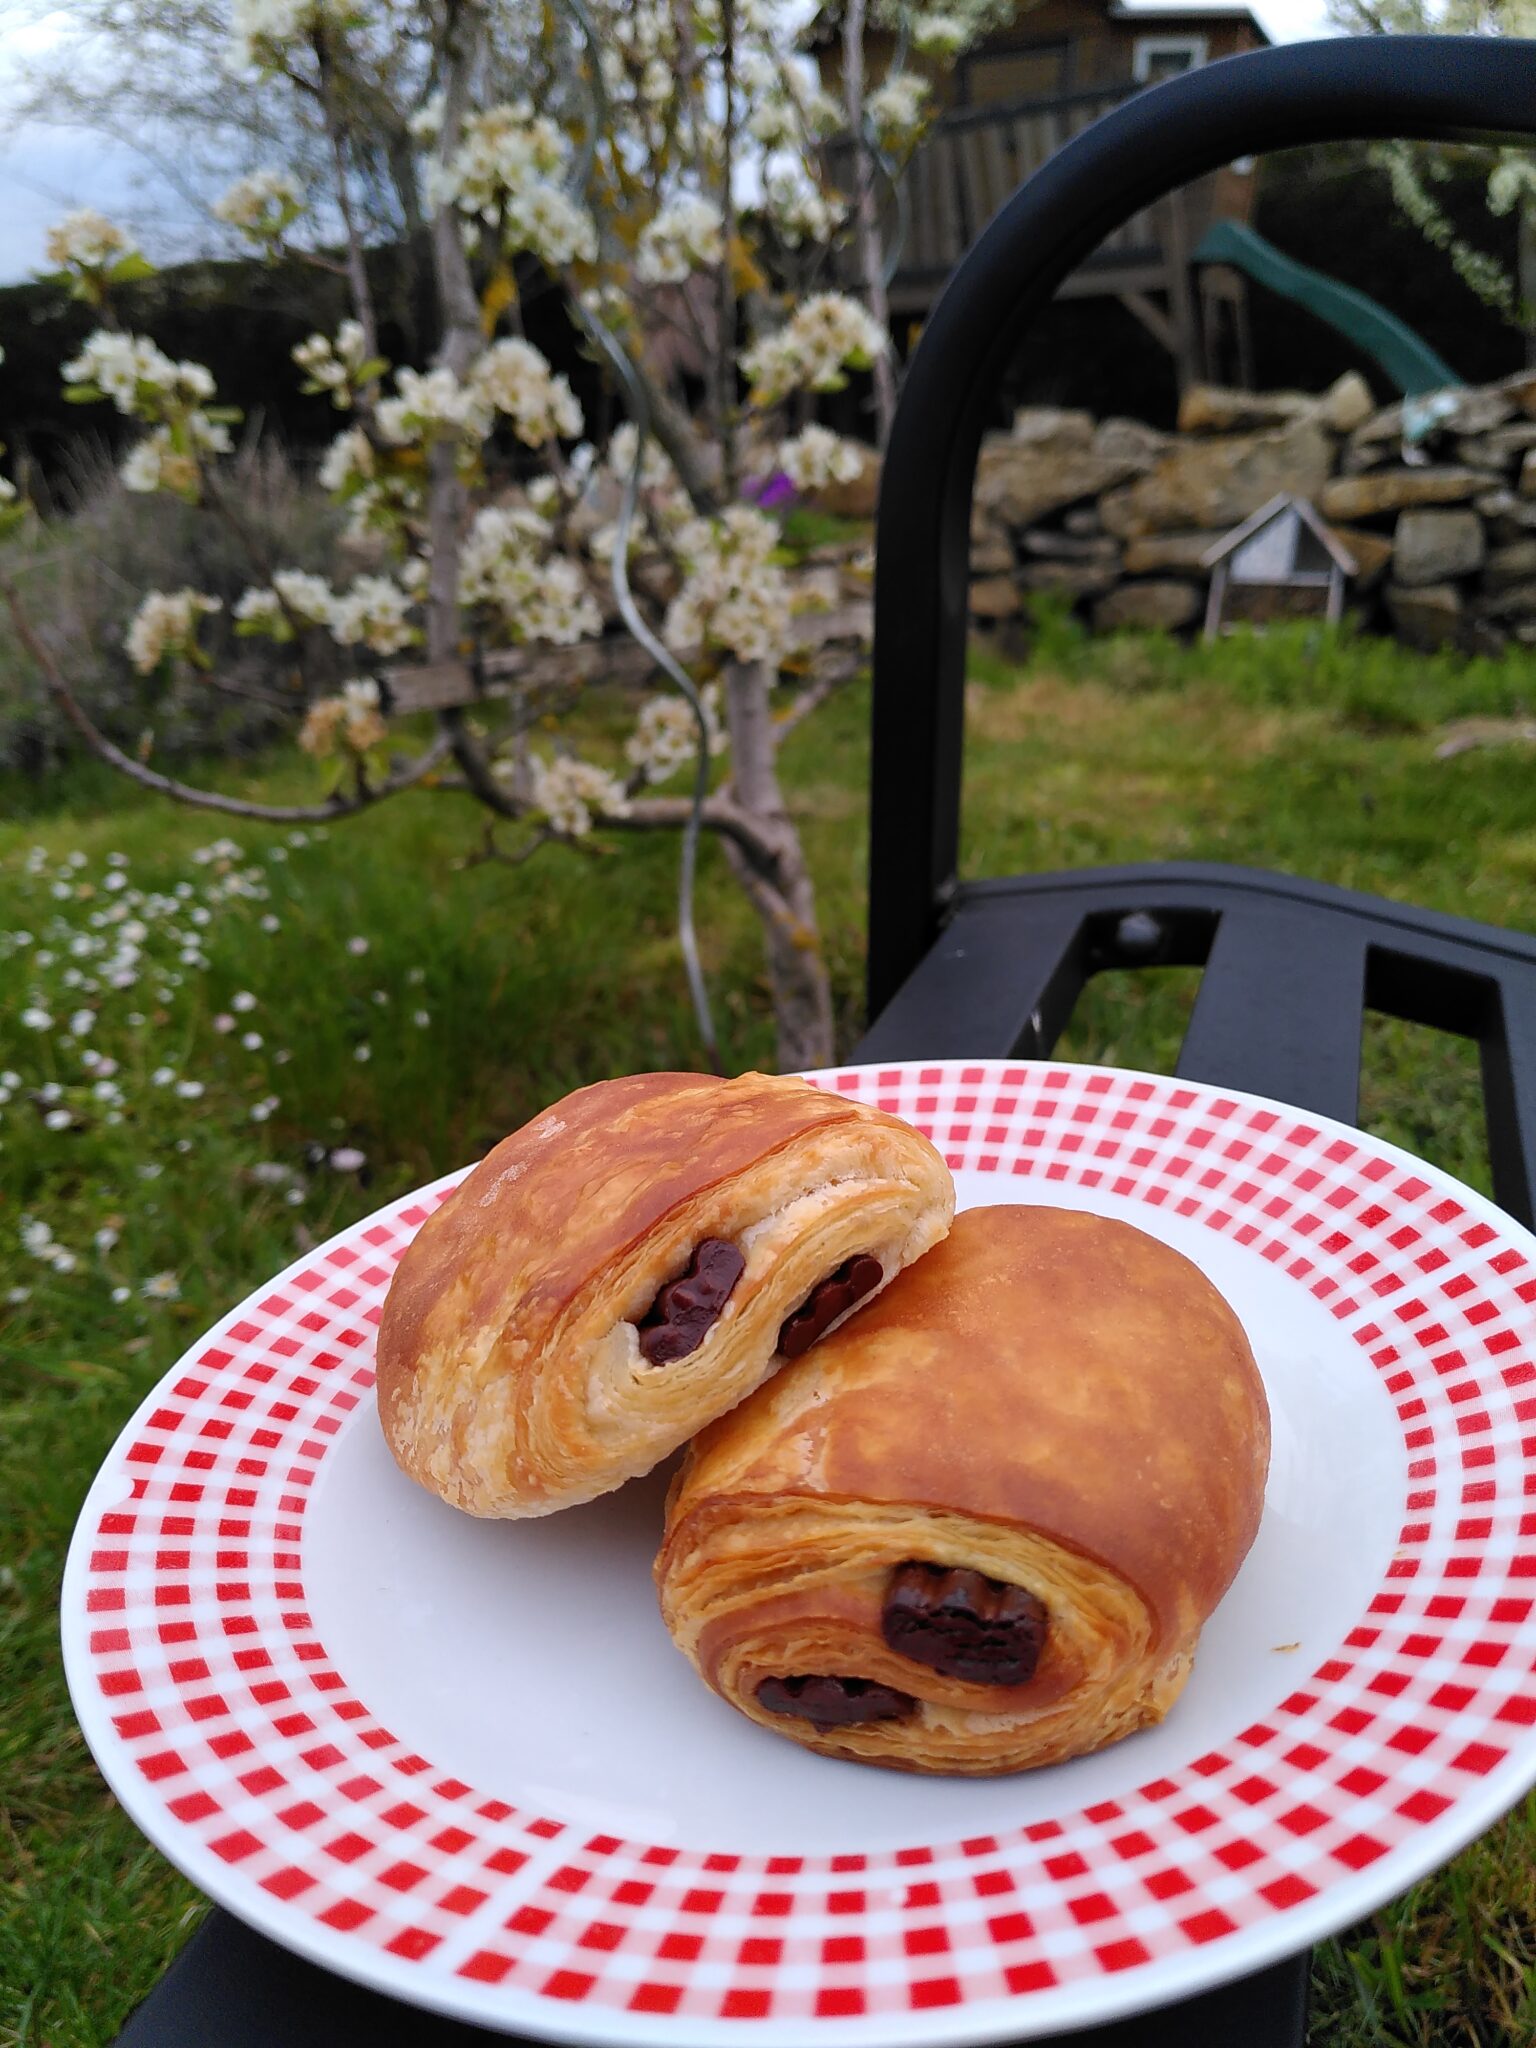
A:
(1158, 57)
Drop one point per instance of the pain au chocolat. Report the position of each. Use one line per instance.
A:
(629, 1265)
(980, 1528)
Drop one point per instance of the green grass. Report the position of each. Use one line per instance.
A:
(1298, 753)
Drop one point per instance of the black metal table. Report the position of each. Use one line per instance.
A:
(994, 967)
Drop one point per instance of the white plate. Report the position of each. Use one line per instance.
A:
(462, 1762)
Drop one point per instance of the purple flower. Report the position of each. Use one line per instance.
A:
(768, 492)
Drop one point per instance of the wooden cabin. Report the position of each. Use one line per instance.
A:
(1015, 100)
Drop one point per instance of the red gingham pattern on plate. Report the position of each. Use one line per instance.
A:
(232, 1733)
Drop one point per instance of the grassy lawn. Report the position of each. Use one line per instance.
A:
(313, 1027)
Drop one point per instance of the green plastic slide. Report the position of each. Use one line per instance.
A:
(1403, 355)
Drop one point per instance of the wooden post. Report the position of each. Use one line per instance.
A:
(1181, 301)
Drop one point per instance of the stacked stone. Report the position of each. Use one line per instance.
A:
(1116, 516)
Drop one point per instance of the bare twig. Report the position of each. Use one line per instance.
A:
(831, 674)
(490, 849)
(337, 806)
(356, 265)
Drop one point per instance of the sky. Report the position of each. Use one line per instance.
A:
(46, 172)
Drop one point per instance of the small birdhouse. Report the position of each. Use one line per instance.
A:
(1282, 562)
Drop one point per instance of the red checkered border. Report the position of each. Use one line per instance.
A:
(227, 1707)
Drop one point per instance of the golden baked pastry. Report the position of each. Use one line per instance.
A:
(980, 1528)
(630, 1264)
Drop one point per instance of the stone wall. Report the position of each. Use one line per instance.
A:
(1115, 516)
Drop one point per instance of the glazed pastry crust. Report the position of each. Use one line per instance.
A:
(510, 1378)
(1052, 1399)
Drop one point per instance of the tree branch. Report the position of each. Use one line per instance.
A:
(866, 219)
(478, 778)
(719, 815)
(357, 268)
(337, 806)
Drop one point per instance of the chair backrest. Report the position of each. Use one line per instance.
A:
(1425, 88)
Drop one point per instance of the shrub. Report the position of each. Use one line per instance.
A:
(85, 571)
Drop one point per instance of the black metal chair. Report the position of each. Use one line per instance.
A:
(994, 967)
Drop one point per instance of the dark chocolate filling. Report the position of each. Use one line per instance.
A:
(687, 1309)
(828, 1299)
(964, 1625)
(834, 1702)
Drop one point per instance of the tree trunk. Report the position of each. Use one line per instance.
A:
(779, 886)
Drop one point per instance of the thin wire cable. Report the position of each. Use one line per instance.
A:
(635, 624)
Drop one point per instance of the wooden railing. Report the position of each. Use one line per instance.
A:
(973, 158)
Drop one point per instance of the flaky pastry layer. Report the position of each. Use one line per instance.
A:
(1051, 1400)
(511, 1380)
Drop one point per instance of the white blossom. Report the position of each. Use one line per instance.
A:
(427, 404)
(161, 1287)
(136, 375)
(426, 124)
(686, 236)
(503, 174)
(735, 597)
(826, 335)
(307, 598)
(35, 1018)
(816, 457)
(501, 150)
(349, 459)
(155, 464)
(568, 791)
(895, 109)
(501, 564)
(374, 611)
(353, 720)
(543, 220)
(262, 28)
(656, 471)
(261, 610)
(260, 205)
(333, 365)
(939, 35)
(165, 626)
(666, 734)
(513, 378)
(86, 241)
(799, 209)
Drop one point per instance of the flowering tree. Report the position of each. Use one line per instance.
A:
(1509, 170)
(666, 163)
